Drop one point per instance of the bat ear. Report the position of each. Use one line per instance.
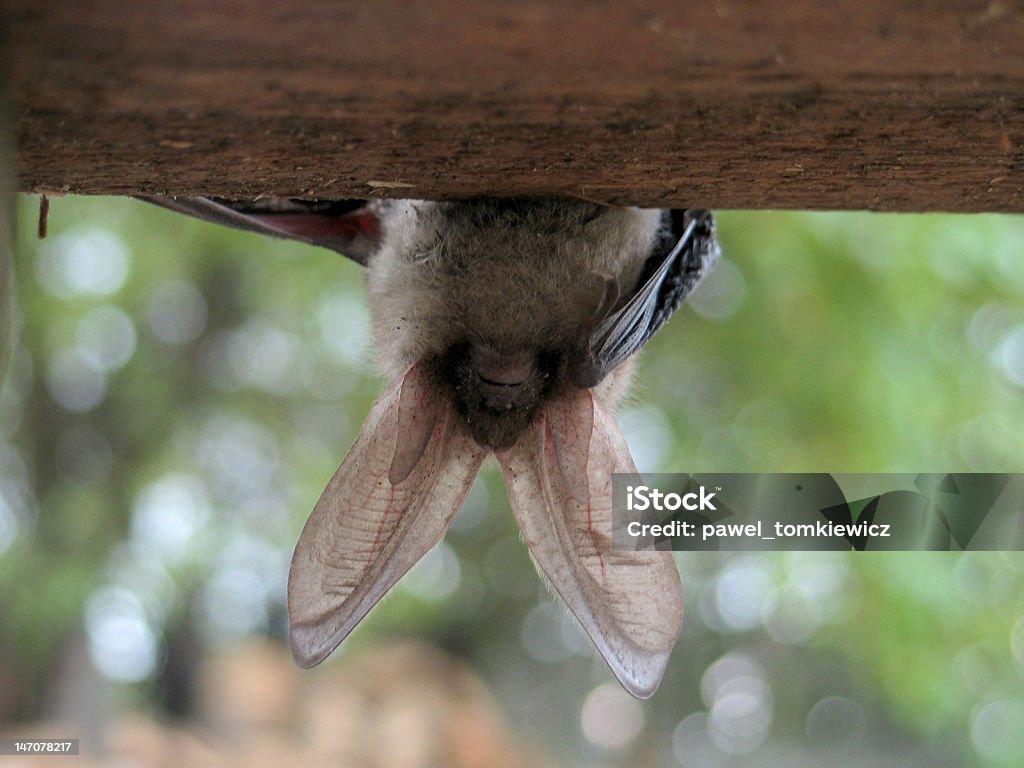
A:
(350, 227)
(559, 480)
(390, 501)
(686, 252)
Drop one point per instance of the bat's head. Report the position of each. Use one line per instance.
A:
(496, 295)
(507, 304)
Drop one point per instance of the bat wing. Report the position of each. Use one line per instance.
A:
(390, 501)
(349, 227)
(668, 277)
(559, 480)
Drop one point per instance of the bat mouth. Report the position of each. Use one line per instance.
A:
(498, 396)
(506, 381)
(498, 391)
(498, 368)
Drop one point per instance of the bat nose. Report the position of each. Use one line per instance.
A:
(502, 376)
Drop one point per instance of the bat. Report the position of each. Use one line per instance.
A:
(505, 327)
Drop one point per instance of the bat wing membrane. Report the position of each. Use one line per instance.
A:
(348, 227)
(559, 481)
(390, 501)
(667, 280)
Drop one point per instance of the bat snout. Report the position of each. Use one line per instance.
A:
(502, 369)
(502, 397)
(498, 388)
(504, 380)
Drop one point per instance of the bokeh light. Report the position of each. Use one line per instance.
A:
(179, 395)
(88, 262)
(611, 718)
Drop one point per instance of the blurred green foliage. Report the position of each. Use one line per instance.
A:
(179, 394)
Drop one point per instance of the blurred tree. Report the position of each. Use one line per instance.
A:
(179, 395)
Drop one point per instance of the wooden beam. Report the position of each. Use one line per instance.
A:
(913, 105)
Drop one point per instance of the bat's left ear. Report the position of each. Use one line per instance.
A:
(350, 227)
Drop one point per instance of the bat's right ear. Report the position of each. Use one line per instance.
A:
(350, 227)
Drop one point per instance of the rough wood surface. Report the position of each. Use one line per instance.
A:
(911, 105)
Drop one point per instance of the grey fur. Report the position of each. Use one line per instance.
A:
(507, 279)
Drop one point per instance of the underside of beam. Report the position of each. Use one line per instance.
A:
(779, 104)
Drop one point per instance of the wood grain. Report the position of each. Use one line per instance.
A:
(912, 105)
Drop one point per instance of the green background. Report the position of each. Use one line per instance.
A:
(179, 394)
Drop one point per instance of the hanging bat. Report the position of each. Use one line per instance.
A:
(505, 327)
